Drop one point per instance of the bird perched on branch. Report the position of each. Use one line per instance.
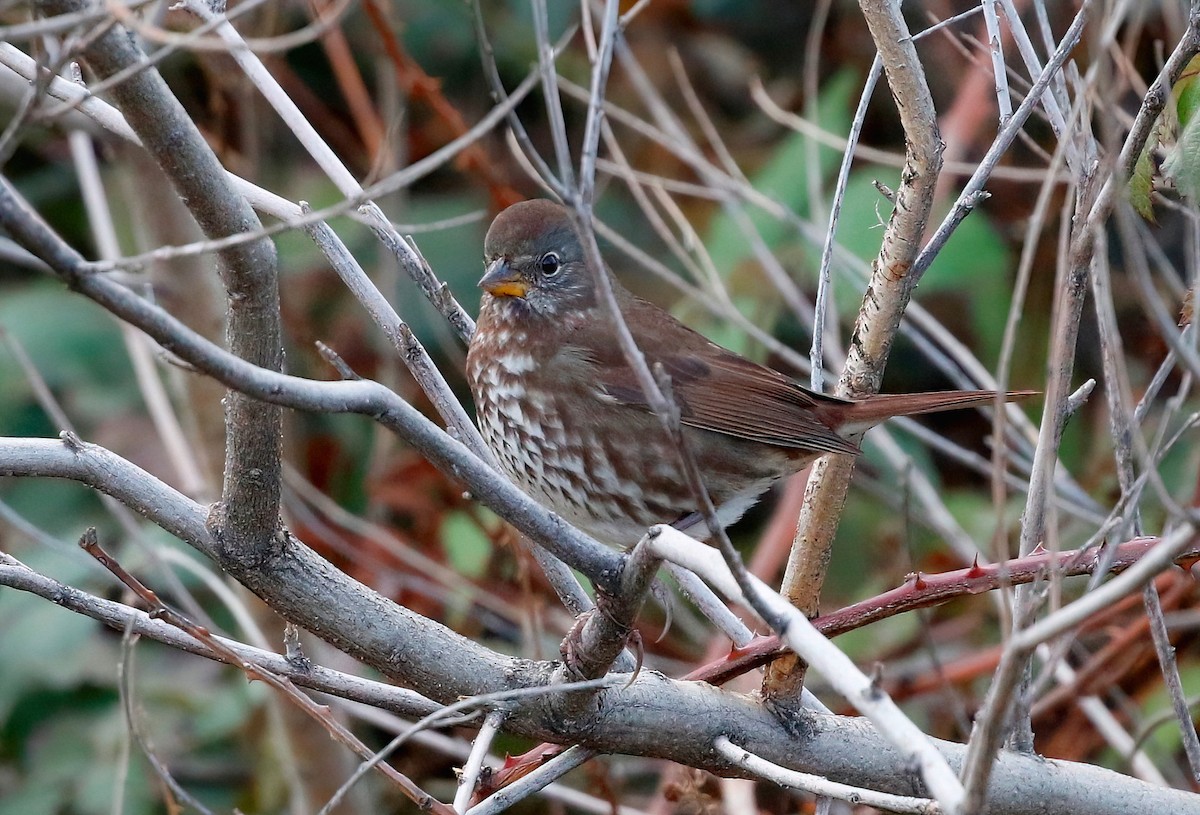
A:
(561, 408)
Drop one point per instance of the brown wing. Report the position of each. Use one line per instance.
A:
(716, 389)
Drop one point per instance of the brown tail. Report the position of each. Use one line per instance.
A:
(866, 413)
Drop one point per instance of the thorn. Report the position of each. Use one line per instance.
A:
(1038, 550)
(918, 581)
(975, 570)
(635, 639)
(72, 441)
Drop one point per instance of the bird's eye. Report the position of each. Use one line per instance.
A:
(550, 264)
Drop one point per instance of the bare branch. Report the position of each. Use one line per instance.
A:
(893, 278)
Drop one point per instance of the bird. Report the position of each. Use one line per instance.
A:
(561, 410)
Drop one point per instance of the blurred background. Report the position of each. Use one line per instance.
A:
(387, 84)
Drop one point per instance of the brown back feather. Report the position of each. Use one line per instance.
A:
(720, 391)
(716, 389)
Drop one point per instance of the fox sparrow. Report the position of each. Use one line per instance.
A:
(565, 417)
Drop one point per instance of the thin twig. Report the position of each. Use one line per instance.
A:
(999, 70)
(469, 777)
(449, 716)
(823, 305)
(532, 781)
(1170, 672)
(823, 786)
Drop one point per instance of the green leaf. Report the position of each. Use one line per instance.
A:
(784, 177)
(1177, 131)
(1187, 91)
(1182, 164)
(76, 348)
(30, 798)
(1141, 185)
(467, 545)
(52, 649)
(974, 264)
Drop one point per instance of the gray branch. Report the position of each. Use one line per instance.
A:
(249, 509)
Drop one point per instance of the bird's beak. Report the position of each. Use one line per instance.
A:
(500, 280)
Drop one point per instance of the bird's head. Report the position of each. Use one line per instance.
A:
(534, 258)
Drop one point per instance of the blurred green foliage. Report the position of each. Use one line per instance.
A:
(64, 737)
(63, 734)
